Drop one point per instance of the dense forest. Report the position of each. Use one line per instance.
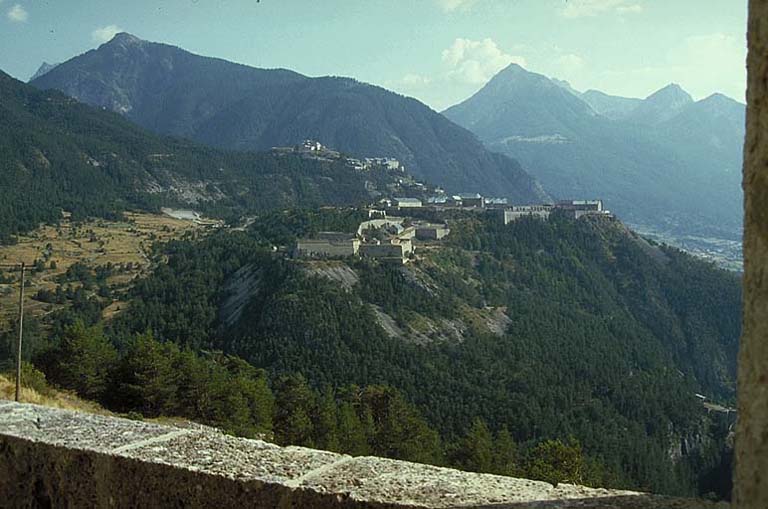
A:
(59, 155)
(592, 379)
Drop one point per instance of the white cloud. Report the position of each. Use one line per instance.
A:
(476, 62)
(18, 14)
(455, 5)
(105, 34)
(585, 8)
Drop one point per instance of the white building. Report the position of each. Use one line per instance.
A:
(328, 245)
(407, 203)
(514, 213)
(311, 146)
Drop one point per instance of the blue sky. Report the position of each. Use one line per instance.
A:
(439, 51)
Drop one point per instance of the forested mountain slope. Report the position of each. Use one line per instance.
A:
(603, 337)
(57, 154)
(171, 91)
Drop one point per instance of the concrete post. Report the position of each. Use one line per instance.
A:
(751, 474)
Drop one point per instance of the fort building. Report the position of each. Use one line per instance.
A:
(429, 231)
(328, 245)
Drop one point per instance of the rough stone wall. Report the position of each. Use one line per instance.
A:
(394, 251)
(751, 475)
(327, 249)
(59, 458)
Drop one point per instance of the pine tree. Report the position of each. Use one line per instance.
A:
(252, 384)
(353, 433)
(294, 401)
(326, 427)
(399, 430)
(504, 454)
(83, 361)
(148, 381)
(476, 450)
(554, 461)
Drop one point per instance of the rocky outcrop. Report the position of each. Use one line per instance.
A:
(240, 287)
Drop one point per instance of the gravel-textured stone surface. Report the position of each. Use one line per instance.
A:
(217, 454)
(59, 458)
(72, 429)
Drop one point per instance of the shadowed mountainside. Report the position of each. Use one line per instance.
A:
(223, 104)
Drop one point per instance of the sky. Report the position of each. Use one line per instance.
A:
(439, 51)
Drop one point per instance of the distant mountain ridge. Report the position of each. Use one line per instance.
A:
(170, 91)
(666, 162)
(44, 68)
(661, 106)
(611, 106)
(60, 155)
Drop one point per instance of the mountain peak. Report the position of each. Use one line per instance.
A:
(174, 92)
(672, 94)
(515, 75)
(662, 105)
(44, 68)
(718, 98)
(125, 39)
(513, 68)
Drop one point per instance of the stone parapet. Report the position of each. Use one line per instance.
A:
(59, 458)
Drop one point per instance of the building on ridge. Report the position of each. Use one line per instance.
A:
(328, 245)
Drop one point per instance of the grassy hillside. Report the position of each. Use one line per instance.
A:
(37, 392)
(56, 252)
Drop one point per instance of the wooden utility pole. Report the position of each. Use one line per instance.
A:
(21, 334)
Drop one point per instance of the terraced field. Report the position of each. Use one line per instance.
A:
(125, 244)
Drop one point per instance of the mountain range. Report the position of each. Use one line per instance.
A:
(170, 91)
(57, 154)
(667, 162)
(546, 329)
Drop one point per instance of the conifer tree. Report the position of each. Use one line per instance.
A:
(294, 401)
(475, 452)
(83, 361)
(326, 422)
(148, 383)
(504, 454)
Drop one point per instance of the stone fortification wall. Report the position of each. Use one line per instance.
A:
(59, 458)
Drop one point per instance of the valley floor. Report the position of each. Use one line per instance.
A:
(725, 253)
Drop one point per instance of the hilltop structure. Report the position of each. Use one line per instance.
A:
(579, 208)
(387, 239)
(313, 149)
(328, 245)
